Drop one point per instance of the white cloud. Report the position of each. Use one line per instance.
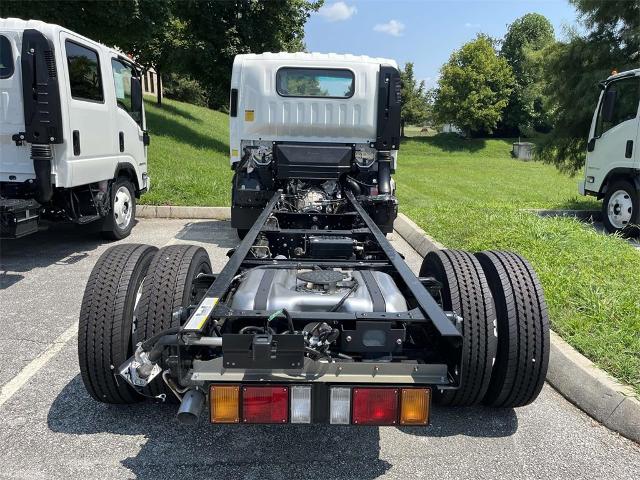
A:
(337, 12)
(471, 25)
(392, 27)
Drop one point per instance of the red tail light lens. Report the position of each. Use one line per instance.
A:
(375, 406)
(265, 404)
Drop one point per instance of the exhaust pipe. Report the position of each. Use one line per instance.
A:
(384, 172)
(191, 406)
(42, 156)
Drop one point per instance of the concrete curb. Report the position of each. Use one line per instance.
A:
(170, 211)
(572, 374)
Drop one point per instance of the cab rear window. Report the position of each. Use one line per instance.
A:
(6, 58)
(314, 82)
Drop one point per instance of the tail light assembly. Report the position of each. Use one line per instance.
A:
(342, 405)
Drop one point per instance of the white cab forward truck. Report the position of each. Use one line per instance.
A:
(72, 132)
(612, 171)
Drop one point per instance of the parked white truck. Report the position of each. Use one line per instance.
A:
(72, 132)
(612, 171)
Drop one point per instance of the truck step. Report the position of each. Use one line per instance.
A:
(87, 219)
(18, 217)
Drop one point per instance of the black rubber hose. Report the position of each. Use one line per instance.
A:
(353, 185)
(156, 352)
(353, 288)
(149, 343)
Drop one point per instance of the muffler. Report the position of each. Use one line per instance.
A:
(191, 406)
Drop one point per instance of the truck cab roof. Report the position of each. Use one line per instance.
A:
(316, 57)
(627, 73)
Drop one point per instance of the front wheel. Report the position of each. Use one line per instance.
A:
(621, 208)
(122, 213)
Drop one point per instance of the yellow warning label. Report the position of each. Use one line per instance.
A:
(234, 153)
(249, 115)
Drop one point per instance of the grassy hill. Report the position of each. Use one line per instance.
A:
(188, 155)
(467, 194)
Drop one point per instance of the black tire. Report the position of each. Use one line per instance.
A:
(466, 292)
(106, 320)
(523, 330)
(169, 285)
(621, 208)
(113, 228)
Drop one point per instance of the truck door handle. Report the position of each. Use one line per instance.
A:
(591, 145)
(121, 137)
(629, 150)
(76, 142)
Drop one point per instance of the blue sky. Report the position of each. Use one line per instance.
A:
(422, 31)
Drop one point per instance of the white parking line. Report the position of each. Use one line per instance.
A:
(17, 382)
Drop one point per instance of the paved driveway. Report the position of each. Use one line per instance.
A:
(50, 428)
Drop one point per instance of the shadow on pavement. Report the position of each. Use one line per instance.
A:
(471, 422)
(215, 232)
(259, 451)
(56, 244)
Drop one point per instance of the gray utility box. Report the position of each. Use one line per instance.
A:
(523, 150)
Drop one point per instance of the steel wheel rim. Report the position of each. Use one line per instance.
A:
(620, 209)
(122, 207)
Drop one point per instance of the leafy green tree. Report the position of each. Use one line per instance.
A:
(474, 87)
(525, 38)
(415, 107)
(140, 28)
(217, 31)
(196, 38)
(573, 68)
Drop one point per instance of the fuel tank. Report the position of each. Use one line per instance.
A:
(318, 291)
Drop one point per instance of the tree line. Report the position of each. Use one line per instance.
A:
(527, 83)
(189, 43)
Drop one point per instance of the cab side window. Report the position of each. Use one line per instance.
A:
(84, 73)
(122, 75)
(6, 58)
(624, 95)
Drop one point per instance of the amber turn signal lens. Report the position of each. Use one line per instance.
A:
(414, 408)
(224, 401)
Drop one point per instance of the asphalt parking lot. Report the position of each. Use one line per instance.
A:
(51, 428)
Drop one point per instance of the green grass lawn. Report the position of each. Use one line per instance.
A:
(188, 155)
(467, 194)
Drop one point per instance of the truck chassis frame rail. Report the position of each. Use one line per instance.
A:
(444, 344)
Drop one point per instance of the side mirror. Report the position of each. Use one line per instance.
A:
(591, 146)
(608, 104)
(146, 139)
(136, 94)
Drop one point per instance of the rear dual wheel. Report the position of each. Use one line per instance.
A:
(465, 291)
(131, 295)
(523, 330)
(107, 320)
(168, 287)
(505, 326)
